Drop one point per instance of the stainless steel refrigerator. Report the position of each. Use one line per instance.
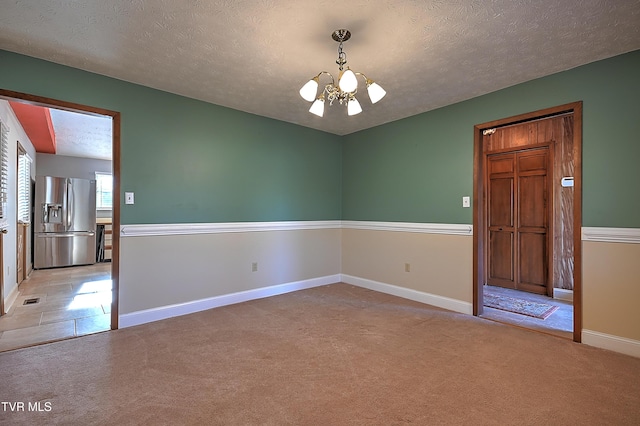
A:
(65, 222)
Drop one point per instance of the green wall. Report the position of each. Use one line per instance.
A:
(191, 161)
(419, 168)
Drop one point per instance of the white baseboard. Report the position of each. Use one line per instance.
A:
(563, 294)
(419, 296)
(164, 312)
(11, 298)
(611, 342)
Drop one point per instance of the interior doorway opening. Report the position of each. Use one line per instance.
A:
(527, 219)
(88, 286)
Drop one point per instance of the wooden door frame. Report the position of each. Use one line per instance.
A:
(479, 216)
(115, 149)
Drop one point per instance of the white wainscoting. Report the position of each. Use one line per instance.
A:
(595, 234)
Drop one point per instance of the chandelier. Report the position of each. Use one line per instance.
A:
(345, 91)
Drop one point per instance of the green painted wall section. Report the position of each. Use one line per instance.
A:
(192, 162)
(419, 168)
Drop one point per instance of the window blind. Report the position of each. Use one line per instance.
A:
(4, 164)
(24, 186)
(104, 191)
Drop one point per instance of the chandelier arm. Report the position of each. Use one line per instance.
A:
(366, 79)
(333, 81)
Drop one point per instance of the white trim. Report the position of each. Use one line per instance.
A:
(611, 342)
(419, 296)
(11, 298)
(225, 227)
(563, 294)
(611, 235)
(425, 228)
(217, 228)
(164, 312)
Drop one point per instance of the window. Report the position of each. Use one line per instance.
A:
(4, 164)
(24, 185)
(104, 191)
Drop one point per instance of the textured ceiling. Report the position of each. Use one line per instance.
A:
(254, 55)
(82, 135)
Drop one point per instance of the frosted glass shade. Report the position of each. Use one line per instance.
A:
(309, 90)
(375, 92)
(353, 107)
(317, 107)
(348, 82)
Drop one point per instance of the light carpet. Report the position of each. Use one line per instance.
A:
(331, 355)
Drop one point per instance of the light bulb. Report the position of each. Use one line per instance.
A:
(348, 82)
(309, 90)
(353, 107)
(375, 92)
(317, 107)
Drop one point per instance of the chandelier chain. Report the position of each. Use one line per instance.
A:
(342, 57)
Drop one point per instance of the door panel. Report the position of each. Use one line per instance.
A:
(532, 209)
(501, 164)
(533, 262)
(532, 162)
(533, 220)
(501, 220)
(501, 202)
(501, 265)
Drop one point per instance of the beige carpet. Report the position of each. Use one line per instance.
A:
(333, 355)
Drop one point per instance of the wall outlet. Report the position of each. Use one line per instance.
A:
(254, 267)
(466, 201)
(407, 267)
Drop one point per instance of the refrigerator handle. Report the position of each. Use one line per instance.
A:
(69, 202)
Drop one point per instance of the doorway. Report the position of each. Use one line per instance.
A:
(112, 268)
(527, 206)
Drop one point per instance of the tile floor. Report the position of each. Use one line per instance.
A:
(73, 301)
(559, 323)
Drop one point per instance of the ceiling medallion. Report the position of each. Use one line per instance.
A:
(345, 91)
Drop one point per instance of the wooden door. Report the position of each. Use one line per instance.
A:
(518, 220)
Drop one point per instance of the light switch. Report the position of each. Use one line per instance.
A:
(128, 197)
(466, 201)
